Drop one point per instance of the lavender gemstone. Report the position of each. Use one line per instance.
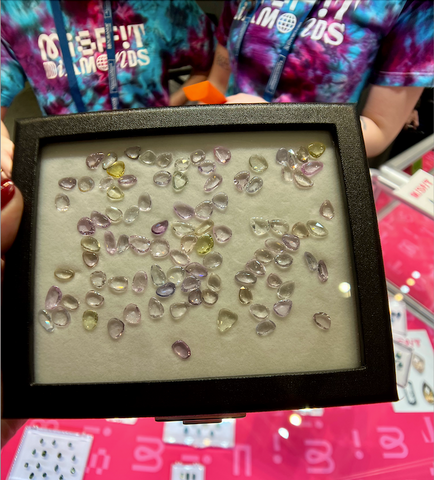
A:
(222, 154)
(85, 226)
(110, 243)
(311, 168)
(212, 183)
(127, 181)
(100, 220)
(282, 156)
(166, 290)
(241, 179)
(190, 283)
(160, 228)
(292, 242)
(94, 159)
(195, 297)
(53, 298)
(183, 210)
(197, 270)
(67, 183)
(181, 349)
(206, 167)
(322, 271)
(123, 243)
(282, 308)
(139, 244)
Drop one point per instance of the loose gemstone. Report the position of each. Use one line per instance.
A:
(155, 308)
(90, 244)
(264, 256)
(197, 270)
(287, 173)
(100, 220)
(204, 210)
(188, 243)
(115, 193)
(67, 183)
(139, 244)
(258, 163)
(254, 185)
(90, 259)
(204, 227)
(116, 170)
(133, 152)
(178, 310)
(105, 183)
(255, 267)
(209, 297)
(212, 182)
(286, 290)
(259, 225)
(222, 154)
(300, 230)
(175, 275)
(140, 282)
(181, 349)
(279, 226)
(311, 262)
(145, 202)
(179, 181)
(283, 260)
(60, 317)
(118, 284)
(327, 210)
(131, 213)
(245, 295)
(311, 168)
(195, 297)
(212, 260)
(222, 234)
(94, 159)
(322, 271)
(190, 283)
(197, 156)
(274, 281)
(226, 319)
(123, 243)
(127, 181)
(162, 178)
(214, 282)
(148, 157)
(180, 258)
(164, 160)
(428, 394)
(245, 278)
(158, 276)
(301, 180)
(64, 274)
(265, 327)
(292, 242)
(110, 242)
(94, 299)
(322, 320)
(160, 248)
(241, 179)
(282, 308)
(166, 290)
(418, 363)
(109, 159)
(181, 228)
(220, 201)
(160, 227)
(85, 226)
(316, 229)
(275, 246)
(62, 202)
(70, 302)
(204, 244)
(183, 210)
(303, 154)
(206, 167)
(182, 164)
(258, 311)
(85, 184)
(98, 279)
(44, 319)
(282, 156)
(316, 149)
(115, 328)
(53, 298)
(114, 214)
(292, 159)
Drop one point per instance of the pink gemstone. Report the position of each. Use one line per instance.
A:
(127, 181)
(212, 183)
(85, 226)
(241, 179)
(94, 159)
(100, 220)
(197, 270)
(110, 243)
(282, 308)
(195, 297)
(292, 242)
(183, 210)
(190, 283)
(222, 154)
(140, 281)
(311, 168)
(53, 298)
(322, 271)
(160, 228)
(181, 349)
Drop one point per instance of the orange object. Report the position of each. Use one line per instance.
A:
(204, 92)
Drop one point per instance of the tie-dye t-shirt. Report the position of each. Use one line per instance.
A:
(150, 37)
(341, 46)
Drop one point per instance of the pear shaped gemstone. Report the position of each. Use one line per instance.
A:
(175, 275)
(245, 278)
(98, 279)
(131, 213)
(160, 227)
(212, 182)
(428, 393)
(90, 244)
(94, 159)
(115, 328)
(160, 248)
(197, 156)
(70, 302)
(254, 185)
(100, 220)
(145, 202)
(241, 179)
(259, 225)
(190, 283)
(44, 319)
(245, 295)
(166, 290)
(85, 184)
(274, 281)
(67, 183)
(316, 229)
(311, 262)
(206, 167)
(62, 202)
(226, 319)
(286, 290)
(133, 152)
(179, 181)
(182, 164)
(184, 211)
(109, 159)
(279, 226)
(178, 310)
(258, 163)
(311, 168)
(204, 210)
(94, 299)
(64, 274)
(90, 259)
(148, 157)
(300, 230)
(162, 178)
(181, 349)
(188, 243)
(116, 170)
(301, 180)
(322, 271)
(255, 267)
(158, 276)
(265, 327)
(181, 228)
(85, 226)
(123, 243)
(140, 282)
(127, 181)
(110, 242)
(114, 214)
(209, 297)
(322, 320)
(60, 316)
(180, 258)
(291, 242)
(258, 311)
(303, 154)
(326, 210)
(197, 270)
(220, 200)
(214, 282)
(275, 246)
(118, 284)
(139, 244)
(282, 308)
(53, 298)
(164, 160)
(204, 244)
(90, 320)
(316, 149)
(264, 256)
(282, 156)
(195, 297)
(212, 260)
(222, 233)
(115, 193)
(222, 154)
(283, 260)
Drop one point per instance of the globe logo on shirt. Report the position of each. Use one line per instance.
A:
(101, 62)
(286, 22)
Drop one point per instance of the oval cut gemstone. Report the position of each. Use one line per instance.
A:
(255, 267)
(183, 210)
(300, 230)
(44, 319)
(282, 308)
(123, 243)
(116, 170)
(155, 308)
(303, 154)
(127, 181)
(140, 281)
(195, 297)
(118, 284)
(181, 228)
(274, 245)
(190, 283)
(158, 277)
(322, 271)
(259, 225)
(145, 202)
(166, 290)
(110, 242)
(286, 290)
(274, 281)
(85, 226)
(220, 200)
(212, 260)
(197, 156)
(204, 210)
(114, 214)
(322, 320)
(222, 154)
(94, 159)
(279, 226)
(197, 270)
(245, 278)
(62, 202)
(214, 282)
(241, 179)
(181, 349)
(175, 275)
(258, 163)
(311, 168)
(90, 320)
(162, 178)
(98, 279)
(245, 295)
(188, 243)
(105, 183)
(70, 302)
(53, 298)
(264, 256)
(301, 180)
(94, 299)
(327, 210)
(148, 157)
(179, 181)
(178, 310)
(164, 160)
(316, 149)
(282, 156)
(180, 258)
(291, 242)
(160, 248)
(115, 328)
(226, 319)
(265, 327)
(85, 184)
(64, 274)
(206, 167)
(204, 227)
(212, 182)
(109, 159)
(90, 244)
(209, 297)
(115, 193)
(222, 233)
(311, 262)
(67, 183)
(160, 227)
(254, 185)
(133, 152)
(90, 259)
(258, 311)
(139, 244)
(182, 164)
(283, 260)
(316, 229)
(204, 244)
(287, 174)
(132, 314)
(60, 316)
(100, 220)
(131, 213)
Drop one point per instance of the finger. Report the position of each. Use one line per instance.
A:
(12, 209)
(7, 154)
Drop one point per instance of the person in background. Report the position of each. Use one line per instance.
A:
(329, 51)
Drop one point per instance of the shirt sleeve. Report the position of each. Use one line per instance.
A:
(12, 75)
(229, 11)
(406, 55)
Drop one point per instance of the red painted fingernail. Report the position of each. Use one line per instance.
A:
(8, 191)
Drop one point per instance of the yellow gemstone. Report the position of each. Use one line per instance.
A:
(90, 319)
(116, 170)
(90, 244)
(204, 227)
(115, 193)
(316, 149)
(204, 244)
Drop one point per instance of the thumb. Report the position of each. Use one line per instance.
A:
(12, 209)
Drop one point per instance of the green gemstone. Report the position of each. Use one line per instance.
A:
(115, 193)
(90, 319)
(258, 163)
(316, 149)
(90, 244)
(179, 181)
(44, 453)
(204, 244)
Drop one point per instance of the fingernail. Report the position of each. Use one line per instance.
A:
(8, 191)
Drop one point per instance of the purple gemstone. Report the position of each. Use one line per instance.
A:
(67, 183)
(322, 271)
(181, 349)
(85, 226)
(110, 243)
(195, 297)
(166, 290)
(311, 168)
(197, 270)
(222, 154)
(94, 159)
(183, 210)
(190, 283)
(292, 242)
(127, 181)
(282, 308)
(160, 228)
(100, 220)
(53, 298)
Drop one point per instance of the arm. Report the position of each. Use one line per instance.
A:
(178, 98)
(221, 69)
